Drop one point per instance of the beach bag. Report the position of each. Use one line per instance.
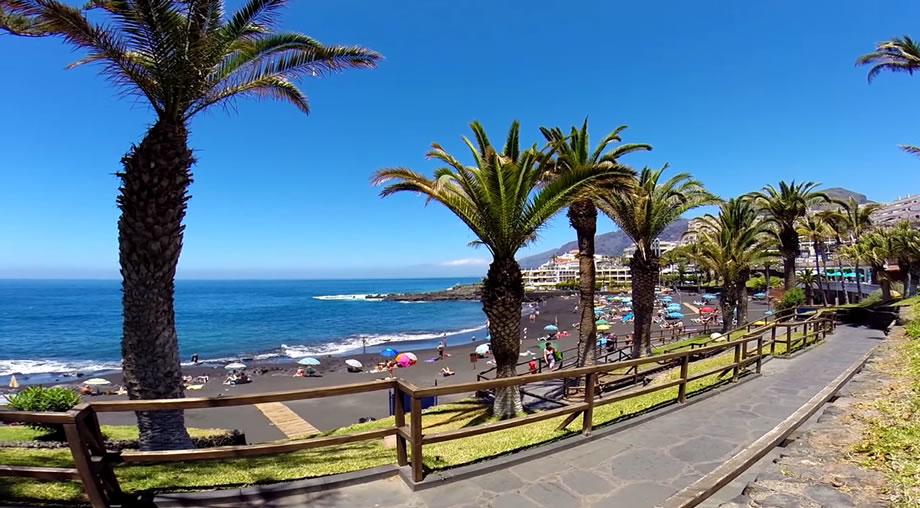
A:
(558, 355)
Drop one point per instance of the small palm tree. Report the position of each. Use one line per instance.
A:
(573, 153)
(836, 221)
(900, 54)
(876, 249)
(504, 202)
(181, 58)
(784, 207)
(808, 279)
(732, 244)
(857, 220)
(643, 214)
(905, 243)
(813, 227)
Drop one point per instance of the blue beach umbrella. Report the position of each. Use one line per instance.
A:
(667, 299)
(308, 361)
(674, 315)
(673, 307)
(709, 297)
(389, 353)
(551, 328)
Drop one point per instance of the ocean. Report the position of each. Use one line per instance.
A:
(65, 326)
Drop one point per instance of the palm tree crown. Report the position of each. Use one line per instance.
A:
(184, 57)
(900, 54)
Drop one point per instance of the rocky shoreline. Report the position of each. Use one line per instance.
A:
(464, 292)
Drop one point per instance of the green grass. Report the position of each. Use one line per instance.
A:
(346, 458)
(21, 433)
(681, 345)
(891, 443)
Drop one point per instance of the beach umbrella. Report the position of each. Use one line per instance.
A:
(235, 366)
(706, 310)
(674, 315)
(355, 364)
(308, 361)
(603, 328)
(97, 381)
(674, 307)
(715, 335)
(601, 322)
(709, 297)
(13, 383)
(389, 353)
(602, 342)
(598, 312)
(482, 349)
(551, 328)
(759, 295)
(667, 299)
(411, 356)
(405, 360)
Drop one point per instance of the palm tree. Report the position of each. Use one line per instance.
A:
(836, 221)
(504, 203)
(573, 154)
(875, 248)
(808, 279)
(732, 244)
(182, 58)
(784, 206)
(643, 214)
(905, 243)
(857, 220)
(817, 231)
(900, 54)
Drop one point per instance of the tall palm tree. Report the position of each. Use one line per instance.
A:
(732, 244)
(900, 54)
(784, 206)
(808, 279)
(643, 214)
(504, 202)
(905, 243)
(573, 153)
(818, 232)
(836, 221)
(182, 58)
(857, 220)
(875, 248)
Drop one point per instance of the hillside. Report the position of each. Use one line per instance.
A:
(607, 244)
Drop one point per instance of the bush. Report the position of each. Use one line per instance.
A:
(793, 298)
(39, 398)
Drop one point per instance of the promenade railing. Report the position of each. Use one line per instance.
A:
(94, 465)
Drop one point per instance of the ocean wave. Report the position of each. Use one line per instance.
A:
(358, 341)
(351, 298)
(8, 367)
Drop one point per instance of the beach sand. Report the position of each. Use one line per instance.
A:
(332, 412)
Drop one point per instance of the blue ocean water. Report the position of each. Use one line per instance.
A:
(66, 325)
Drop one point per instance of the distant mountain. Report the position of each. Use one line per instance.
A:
(607, 244)
(843, 194)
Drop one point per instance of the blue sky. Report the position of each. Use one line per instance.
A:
(739, 93)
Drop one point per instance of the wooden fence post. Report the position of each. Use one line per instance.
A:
(773, 340)
(83, 460)
(415, 422)
(399, 414)
(759, 352)
(684, 371)
(588, 415)
(736, 368)
(788, 340)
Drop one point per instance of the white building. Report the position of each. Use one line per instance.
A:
(564, 268)
(903, 209)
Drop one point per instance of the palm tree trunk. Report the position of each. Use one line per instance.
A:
(858, 282)
(827, 284)
(809, 295)
(644, 274)
(788, 271)
(502, 295)
(153, 199)
(727, 302)
(583, 218)
(820, 283)
(741, 297)
(843, 286)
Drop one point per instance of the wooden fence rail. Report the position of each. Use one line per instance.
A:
(94, 466)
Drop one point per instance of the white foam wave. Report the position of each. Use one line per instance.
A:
(8, 367)
(351, 298)
(358, 341)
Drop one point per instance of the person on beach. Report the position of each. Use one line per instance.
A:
(441, 350)
(549, 356)
(195, 358)
(532, 366)
(447, 372)
(391, 369)
(300, 372)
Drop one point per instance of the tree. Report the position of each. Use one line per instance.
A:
(573, 154)
(818, 232)
(875, 248)
(905, 245)
(836, 221)
(643, 214)
(504, 202)
(857, 220)
(181, 58)
(732, 244)
(784, 207)
(900, 54)
(808, 279)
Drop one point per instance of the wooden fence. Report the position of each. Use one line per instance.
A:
(94, 466)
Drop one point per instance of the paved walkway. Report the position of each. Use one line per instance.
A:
(287, 421)
(636, 467)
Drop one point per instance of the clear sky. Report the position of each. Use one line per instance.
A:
(739, 93)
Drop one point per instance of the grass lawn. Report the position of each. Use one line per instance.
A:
(892, 441)
(345, 458)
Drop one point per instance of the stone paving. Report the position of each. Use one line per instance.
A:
(639, 466)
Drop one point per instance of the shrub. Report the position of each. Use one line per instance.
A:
(793, 298)
(39, 398)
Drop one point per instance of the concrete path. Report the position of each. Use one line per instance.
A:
(636, 467)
